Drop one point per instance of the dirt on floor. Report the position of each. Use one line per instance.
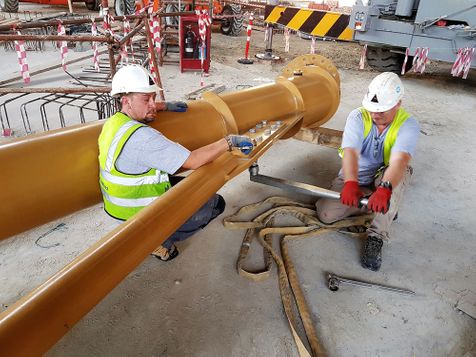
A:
(197, 305)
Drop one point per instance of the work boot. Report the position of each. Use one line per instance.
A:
(219, 206)
(165, 254)
(372, 255)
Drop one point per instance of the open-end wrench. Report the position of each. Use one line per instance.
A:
(335, 280)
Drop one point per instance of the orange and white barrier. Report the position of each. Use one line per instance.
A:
(362, 57)
(313, 45)
(63, 45)
(287, 34)
(248, 36)
(404, 66)
(420, 59)
(204, 22)
(94, 32)
(462, 63)
(21, 53)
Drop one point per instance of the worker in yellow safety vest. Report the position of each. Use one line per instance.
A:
(378, 143)
(136, 160)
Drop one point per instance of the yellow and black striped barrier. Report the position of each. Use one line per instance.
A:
(313, 22)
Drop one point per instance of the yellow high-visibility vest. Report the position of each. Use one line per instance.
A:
(124, 194)
(400, 117)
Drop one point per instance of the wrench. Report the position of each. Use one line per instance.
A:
(335, 280)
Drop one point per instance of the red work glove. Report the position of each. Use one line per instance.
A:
(379, 202)
(351, 194)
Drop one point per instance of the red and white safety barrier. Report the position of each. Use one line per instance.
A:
(150, 52)
(420, 59)
(313, 45)
(63, 45)
(287, 35)
(362, 57)
(21, 53)
(107, 21)
(248, 36)
(94, 32)
(154, 23)
(204, 22)
(463, 62)
(404, 66)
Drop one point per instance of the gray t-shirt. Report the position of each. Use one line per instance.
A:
(147, 148)
(371, 147)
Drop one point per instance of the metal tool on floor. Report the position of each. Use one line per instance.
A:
(335, 281)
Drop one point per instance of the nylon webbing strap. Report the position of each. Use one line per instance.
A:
(262, 227)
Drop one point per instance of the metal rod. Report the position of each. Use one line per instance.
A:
(131, 34)
(75, 38)
(56, 90)
(112, 61)
(298, 187)
(49, 68)
(19, 26)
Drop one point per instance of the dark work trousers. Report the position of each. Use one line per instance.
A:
(211, 209)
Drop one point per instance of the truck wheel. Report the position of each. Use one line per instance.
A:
(9, 5)
(232, 26)
(93, 5)
(383, 60)
(173, 21)
(124, 7)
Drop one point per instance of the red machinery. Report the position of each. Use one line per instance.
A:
(12, 5)
(190, 45)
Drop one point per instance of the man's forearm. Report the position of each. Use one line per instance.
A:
(397, 167)
(205, 154)
(350, 164)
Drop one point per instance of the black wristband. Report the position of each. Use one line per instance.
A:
(386, 184)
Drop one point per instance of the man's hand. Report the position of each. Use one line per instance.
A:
(379, 202)
(176, 106)
(351, 194)
(242, 142)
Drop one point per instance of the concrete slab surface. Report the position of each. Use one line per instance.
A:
(197, 305)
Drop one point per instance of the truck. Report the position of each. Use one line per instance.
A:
(390, 27)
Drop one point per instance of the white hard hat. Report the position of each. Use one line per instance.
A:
(385, 91)
(133, 79)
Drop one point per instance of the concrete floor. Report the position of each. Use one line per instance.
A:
(197, 305)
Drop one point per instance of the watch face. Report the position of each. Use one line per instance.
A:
(386, 184)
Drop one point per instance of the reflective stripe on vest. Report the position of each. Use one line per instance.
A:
(400, 117)
(125, 194)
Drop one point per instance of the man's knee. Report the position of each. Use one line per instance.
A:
(323, 212)
(326, 218)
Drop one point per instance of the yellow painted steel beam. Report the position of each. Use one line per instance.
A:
(56, 173)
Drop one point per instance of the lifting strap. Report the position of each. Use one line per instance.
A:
(262, 227)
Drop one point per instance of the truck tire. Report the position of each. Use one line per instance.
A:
(383, 60)
(173, 21)
(9, 5)
(93, 5)
(124, 7)
(232, 26)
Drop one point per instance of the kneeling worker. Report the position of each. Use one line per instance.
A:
(135, 160)
(379, 141)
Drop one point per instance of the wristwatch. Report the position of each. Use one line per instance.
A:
(386, 184)
(229, 142)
